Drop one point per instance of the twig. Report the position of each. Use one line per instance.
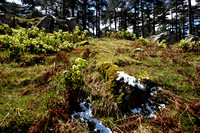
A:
(126, 118)
(115, 126)
(173, 95)
(179, 124)
(191, 120)
(4, 118)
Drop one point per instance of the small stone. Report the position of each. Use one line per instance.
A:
(139, 49)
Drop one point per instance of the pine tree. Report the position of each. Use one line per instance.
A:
(190, 16)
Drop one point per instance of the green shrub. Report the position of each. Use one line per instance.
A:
(66, 46)
(35, 40)
(5, 29)
(186, 46)
(121, 35)
(142, 41)
(73, 78)
(162, 44)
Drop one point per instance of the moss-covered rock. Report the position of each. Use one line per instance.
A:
(129, 91)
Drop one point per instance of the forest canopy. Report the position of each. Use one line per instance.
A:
(142, 17)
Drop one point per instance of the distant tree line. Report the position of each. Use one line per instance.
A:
(143, 17)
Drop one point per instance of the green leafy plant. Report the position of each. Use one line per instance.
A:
(186, 46)
(142, 41)
(35, 40)
(5, 29)
(121, 35)
(162, 44)
(73, 78)
(66, 46)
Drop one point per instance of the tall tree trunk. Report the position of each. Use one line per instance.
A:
(149, 23)
(73, 11)
(176, 23)
(183, 19)
(99, 24)
(32, 4)
(179, 32)
(190, 16)
(84, 14)
(115, 20)
(141, 4)
(134, 22)
(154, 17)
(45, 10)
(64, 9)
(137, 22)
(125, 23)
(93, 27)
(110, 22)
(172, 21)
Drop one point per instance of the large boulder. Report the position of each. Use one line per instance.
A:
(163, 36)
(71, 23)
(51, 24)
(62, 25)
(46, 22)
(192, 39)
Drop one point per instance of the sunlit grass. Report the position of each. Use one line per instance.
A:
(24, 97)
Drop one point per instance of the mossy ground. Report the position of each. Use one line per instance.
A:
(26, 89)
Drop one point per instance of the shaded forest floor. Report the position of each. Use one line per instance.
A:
(33, 97)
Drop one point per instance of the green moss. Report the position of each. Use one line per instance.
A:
(143, 76)
(109, 70)
(120, 98)
(122, 61)
(83, 43)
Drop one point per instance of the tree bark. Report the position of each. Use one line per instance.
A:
(176, 23)
(125, 23)
(84, 14)
(183, 20)
(141, 4)
(154, 17)
(172, 21)
(73, 11)
(64, 9)
(115, 20)
(134, 22)
(190, 16)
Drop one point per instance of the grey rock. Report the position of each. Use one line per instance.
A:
(71, 22)
(164, 36)
(51, 24)
(55, 28)
(62, 25)
(46, 22)
(192, 39)
(139, 50)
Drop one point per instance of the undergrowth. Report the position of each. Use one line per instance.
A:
(40, 87)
